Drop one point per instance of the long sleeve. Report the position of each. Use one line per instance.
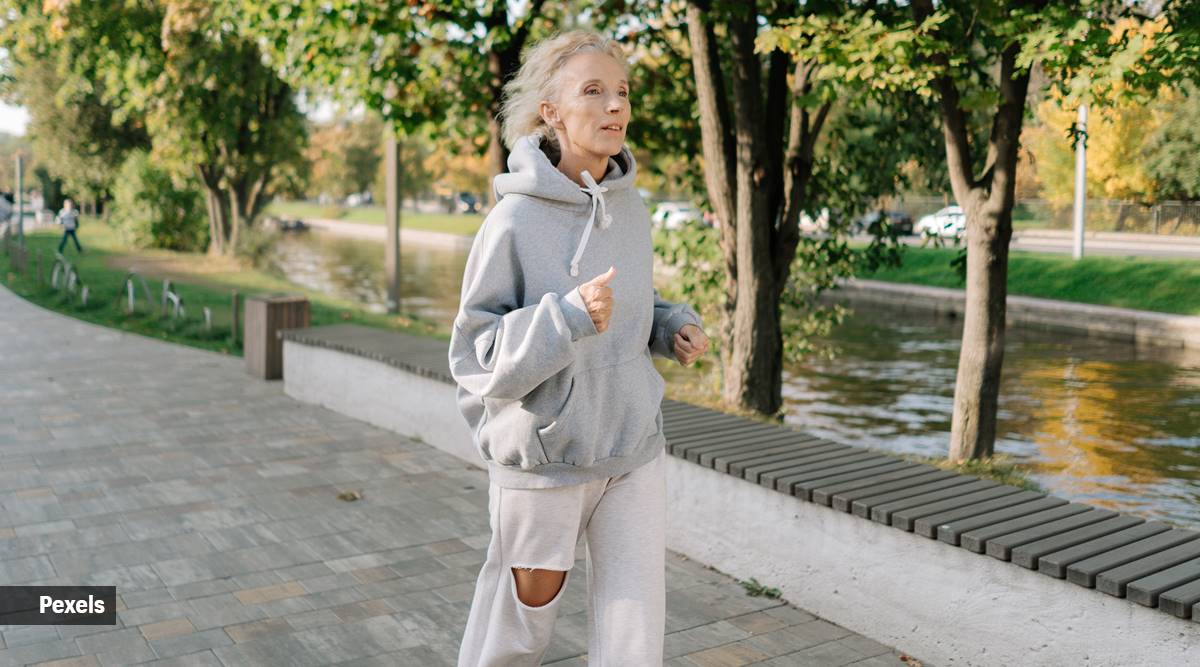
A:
(498, 348)
(668, 318)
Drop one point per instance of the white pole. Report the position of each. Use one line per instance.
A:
(1080, 178)
(20, 202)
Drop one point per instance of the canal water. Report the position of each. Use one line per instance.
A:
(1110, 424)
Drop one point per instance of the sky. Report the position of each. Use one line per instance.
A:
(13, 119)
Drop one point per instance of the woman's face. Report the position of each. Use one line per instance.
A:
(592, 112)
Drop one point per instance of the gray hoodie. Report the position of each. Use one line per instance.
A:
(550, 401)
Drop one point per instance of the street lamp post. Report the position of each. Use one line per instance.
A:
(391, 251)
(20, 205)
(1080, 177)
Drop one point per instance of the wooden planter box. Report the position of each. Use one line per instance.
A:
(266, 315)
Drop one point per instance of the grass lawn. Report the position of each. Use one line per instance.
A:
(451, 223)
(1168, 286)
(199, 279)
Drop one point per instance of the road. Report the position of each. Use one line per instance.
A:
(1097, 243)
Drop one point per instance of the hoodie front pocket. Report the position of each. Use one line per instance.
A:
(608, 410)
(508, 435)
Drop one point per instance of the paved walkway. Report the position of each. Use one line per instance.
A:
(210, 500)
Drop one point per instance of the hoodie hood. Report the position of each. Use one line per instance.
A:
(531, 173)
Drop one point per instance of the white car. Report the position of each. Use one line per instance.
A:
(818, 225)
(948, 222)
(673, 215)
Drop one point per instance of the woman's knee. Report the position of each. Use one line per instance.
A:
(536, 587)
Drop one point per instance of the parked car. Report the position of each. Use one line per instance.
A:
(673, 215)
(948, 222)
(817, 225)
(285, 224)
(868, 223)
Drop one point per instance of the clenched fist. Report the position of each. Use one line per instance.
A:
(597, 296)
(690, 343)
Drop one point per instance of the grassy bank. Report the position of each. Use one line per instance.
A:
(451, 223)
(200, 280)
(1168, 286)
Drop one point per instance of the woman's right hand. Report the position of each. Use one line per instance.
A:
(597, 296)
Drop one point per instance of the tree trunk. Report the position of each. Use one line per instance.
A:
(502, 65)
(1122, 213)
(216, 220)
(755, 184)
(977, 387)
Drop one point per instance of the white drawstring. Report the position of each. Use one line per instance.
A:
(597, 192)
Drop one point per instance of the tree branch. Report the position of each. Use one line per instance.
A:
(954, 120)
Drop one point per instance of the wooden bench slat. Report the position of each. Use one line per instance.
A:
(803, 490)
(823, 495)
(803, 471)
(783, 451)
(1055, 564)
(925, 519)
(800, 484)
(1084, 572)
(976, 540)
(842, 500)
(721, 437)
(1115, 580)
(951, 532)
(868, 499)
(704, 424)
(695, 449)
(670, 407)
(809, 458)
(707, 457)
(963, 494)
(1001, 546)
(1181, 601)
(1027, 555)
(1146, 591)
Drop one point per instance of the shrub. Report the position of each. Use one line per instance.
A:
(154, 209)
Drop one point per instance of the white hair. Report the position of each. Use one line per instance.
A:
(538, 80)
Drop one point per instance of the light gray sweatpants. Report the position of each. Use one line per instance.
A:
(625, 520)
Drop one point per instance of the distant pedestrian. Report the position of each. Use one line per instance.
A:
(68, 217)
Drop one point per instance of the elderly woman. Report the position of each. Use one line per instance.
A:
(551, 350)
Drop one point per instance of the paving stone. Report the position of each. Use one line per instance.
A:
(164, 629)
(170, 647)
(254, 630)
(81, 661)
(729, 655)
(201, 659)
(701, 637)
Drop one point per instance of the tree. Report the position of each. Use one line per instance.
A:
(70, 127)
(444, 62)
(1171, 149)
(978, 58)
(784, 123)
(210, 104)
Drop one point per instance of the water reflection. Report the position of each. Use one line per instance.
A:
(352, 268)
(1100, 422)
(1110, 424)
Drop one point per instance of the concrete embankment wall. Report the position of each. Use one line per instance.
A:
(1135, 326)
